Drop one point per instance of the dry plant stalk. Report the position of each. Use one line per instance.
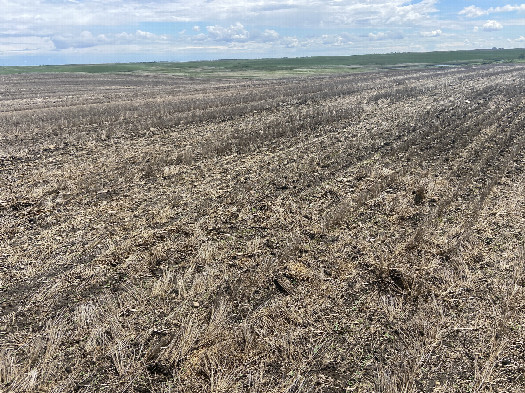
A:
(350, 233)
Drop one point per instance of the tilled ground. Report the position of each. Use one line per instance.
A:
(359, 233)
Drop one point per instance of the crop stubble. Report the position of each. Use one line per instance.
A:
(346, 233)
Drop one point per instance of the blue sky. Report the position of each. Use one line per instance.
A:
(97, 31)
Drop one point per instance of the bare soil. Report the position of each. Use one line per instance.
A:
(357, 233)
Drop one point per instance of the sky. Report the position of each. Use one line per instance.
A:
(38, 32)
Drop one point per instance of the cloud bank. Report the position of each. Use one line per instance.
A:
(55, 31)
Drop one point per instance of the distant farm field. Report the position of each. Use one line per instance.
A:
(346, 233)
(294, 66)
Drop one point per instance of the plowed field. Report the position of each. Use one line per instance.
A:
(356, 233)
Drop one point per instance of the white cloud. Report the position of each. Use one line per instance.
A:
(377, 36)
(86, 39)
(380, 12)
(520, 39)
(492, 25)
(83, 40)
(148, 35)
(328, 41)
(507, 8)
(290, 42)
(138, 36)
(270, 35)
(385, 36)
(433, 33)
(235, 32)
(474, 12)
(310, 13)
(25, 45)
(336, 39)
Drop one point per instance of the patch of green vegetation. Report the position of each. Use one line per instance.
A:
(290, 66)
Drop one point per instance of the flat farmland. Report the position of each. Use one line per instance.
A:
(344, 233)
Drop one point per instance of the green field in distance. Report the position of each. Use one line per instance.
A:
(290, 66)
